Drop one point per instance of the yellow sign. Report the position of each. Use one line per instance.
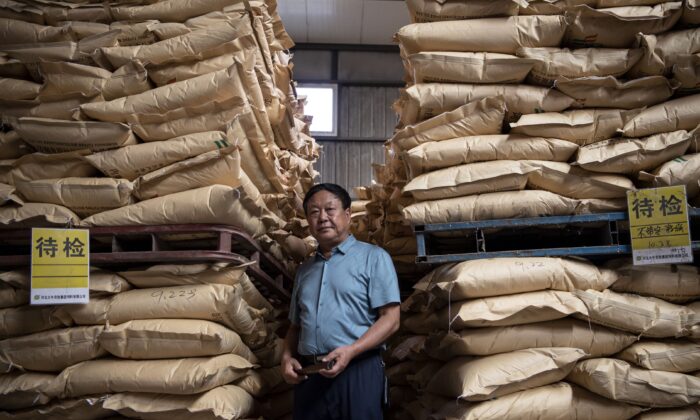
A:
(659, 225)
(60, 266)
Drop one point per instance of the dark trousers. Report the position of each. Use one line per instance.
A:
(355, 394)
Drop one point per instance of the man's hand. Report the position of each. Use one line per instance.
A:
(289, 367)
(342, 357)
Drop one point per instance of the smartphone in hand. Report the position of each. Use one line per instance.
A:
(311, 369)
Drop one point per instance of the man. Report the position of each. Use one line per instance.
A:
(345, 304)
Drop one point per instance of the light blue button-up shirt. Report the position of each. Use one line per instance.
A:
(336, 300)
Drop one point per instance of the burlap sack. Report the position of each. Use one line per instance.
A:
(583, 127)
(593, 92)
(504, 276)
(45, 166)
(672, 283)
(14, 31)
(497, 35)
(554, 63)
(184, 376)
(203, 205)
(504, 205)
(617, 380)
(11, 297)
(31, 215)
(56, 136)
(646, 316)
(436, 155)
(618, 27)
(661, 52)
(23, 390)
(670, 356)
(29, 319)
(227, 402)
(423, 101)
(628, 156)
(51, 351)
(172, 339)
(214, 302)
(170, 73)
(61, 109)
(595, 340)
(467, 67)
(690, 413)
(16, 89)
(522, 308)
(502, 374)
(560, 400)
(130, 162)
(11, 146)
(481, 117)
(472, 178)
(432, 11)
(212, 116)
(683, 170)
(570, 181)
(691, 13)
(216, 167)
(676, 114)
(217, 86)
(84, 196)
(168, 10)
(192, 46)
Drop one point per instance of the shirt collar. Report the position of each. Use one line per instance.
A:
(342, 248)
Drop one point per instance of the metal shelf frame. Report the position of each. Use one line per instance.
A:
(609, 228)
(168, 244)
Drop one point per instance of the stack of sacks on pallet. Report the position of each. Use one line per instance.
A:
(590, 94)
(359, 221)
(169, 340)
(177, 111)
(546, 337)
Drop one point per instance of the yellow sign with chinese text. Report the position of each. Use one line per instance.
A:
(60, 266)
(659, 226)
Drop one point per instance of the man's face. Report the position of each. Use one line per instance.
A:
(328, 222)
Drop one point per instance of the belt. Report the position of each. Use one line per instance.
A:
(314, 359)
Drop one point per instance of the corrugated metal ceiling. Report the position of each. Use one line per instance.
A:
(343, 21)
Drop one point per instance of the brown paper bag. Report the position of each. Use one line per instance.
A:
(672, 283)
(29, 319)
(683, 170)
(168, 10)
(432, 11)
(570, 181)
(497, 35)
(633, 155)
(672, 356)
(467, 67)
(604, 92)
(36, 215)
(661, 52)
(502, 374)
(16, 89)
(14, 31)
(617, 380)
(184, 376)
(56, 136)
(583, 127)
(224, 402)
(24, 390)
(676, 114)
(84, 196)
(51, 351)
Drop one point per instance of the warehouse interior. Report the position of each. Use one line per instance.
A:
(519, 240)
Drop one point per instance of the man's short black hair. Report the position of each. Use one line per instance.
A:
(334, 189)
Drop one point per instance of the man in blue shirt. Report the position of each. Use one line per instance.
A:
(345, 305)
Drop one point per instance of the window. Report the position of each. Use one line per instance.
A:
(322, 105)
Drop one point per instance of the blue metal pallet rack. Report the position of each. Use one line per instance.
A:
(603, 234)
